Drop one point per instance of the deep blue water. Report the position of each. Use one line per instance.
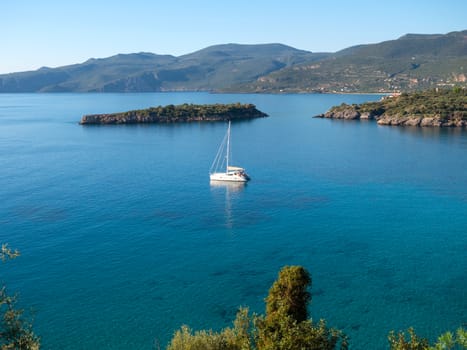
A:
(123, 239)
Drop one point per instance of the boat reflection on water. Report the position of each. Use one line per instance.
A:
(230, 190)
(229, 187)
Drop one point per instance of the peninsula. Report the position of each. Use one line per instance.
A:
(178, 114)
(431, 108)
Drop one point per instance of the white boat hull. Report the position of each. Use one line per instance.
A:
(231, 173)
(234, 177)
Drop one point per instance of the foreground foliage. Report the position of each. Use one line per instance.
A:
(285, 326)
(240, 337)
(446, 341)
(15, 332)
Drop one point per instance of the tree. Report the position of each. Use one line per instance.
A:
(446, 341)
(6, 253)
(289, 295)
(399, 341)
(286, 325)
(15, 332)
(237, 338)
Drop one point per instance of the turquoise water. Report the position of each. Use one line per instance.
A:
(123, 239)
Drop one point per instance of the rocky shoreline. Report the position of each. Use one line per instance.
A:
(177, 114)
(430, 108)
(351, 113)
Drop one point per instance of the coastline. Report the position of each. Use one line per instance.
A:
(433, 108)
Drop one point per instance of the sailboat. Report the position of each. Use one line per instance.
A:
(223, 157)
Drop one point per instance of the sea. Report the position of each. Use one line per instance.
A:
(123, 238)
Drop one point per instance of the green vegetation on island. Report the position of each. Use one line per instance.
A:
(178, 114)
(435, 107)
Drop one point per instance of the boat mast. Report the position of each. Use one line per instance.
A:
(228, 148)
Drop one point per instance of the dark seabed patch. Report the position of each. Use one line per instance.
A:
(40, 213)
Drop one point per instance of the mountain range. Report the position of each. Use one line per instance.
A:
(412, 62)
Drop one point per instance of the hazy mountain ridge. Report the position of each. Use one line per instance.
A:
(412, 62)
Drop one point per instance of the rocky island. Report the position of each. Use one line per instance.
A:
(178, 114)
(432, 108)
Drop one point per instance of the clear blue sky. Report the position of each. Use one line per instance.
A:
(53, 33)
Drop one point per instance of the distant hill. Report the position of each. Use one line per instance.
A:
(412, 62)
(117, 73)
(212, 68)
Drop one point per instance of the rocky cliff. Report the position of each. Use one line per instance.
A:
(351, 113)
(433, 108)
